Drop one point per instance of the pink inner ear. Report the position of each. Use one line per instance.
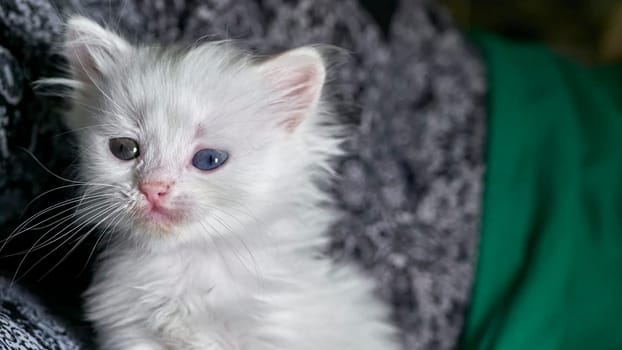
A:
(297, 84)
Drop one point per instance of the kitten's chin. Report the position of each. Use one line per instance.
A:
(159, 219)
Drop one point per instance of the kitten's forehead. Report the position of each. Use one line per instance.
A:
(161, 89)
(178, 101)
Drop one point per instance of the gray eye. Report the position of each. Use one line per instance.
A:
(124, 148)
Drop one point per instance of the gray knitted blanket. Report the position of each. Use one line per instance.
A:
(409, 190)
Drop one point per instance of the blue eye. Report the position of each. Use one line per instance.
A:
(208, 159)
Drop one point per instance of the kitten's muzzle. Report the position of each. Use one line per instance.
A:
(156, 191)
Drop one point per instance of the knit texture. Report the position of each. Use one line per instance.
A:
(409, 188)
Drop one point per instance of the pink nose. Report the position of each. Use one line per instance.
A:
(155, 191)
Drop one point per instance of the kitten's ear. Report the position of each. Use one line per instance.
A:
(91, 49)
(296, 77)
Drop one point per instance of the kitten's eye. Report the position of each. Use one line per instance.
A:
(124, 148)
(208, 159)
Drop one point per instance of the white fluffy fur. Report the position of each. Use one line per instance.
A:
(243, 268)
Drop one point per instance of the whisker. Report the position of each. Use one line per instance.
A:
(38, 246)
(23, 227)
(79, 200)
(218, 251)
(52, 190)
(113, 212)
(229, 244)
(104, 232)
(243, 243)
(76, 130)
(75, 231)
(62, 178)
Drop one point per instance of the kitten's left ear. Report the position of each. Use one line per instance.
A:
(296, 77)
(91, 49)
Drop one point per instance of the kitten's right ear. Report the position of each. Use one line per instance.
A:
(91, 49)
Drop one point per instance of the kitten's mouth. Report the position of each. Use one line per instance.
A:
(159, 216)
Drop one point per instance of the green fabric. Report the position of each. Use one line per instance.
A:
(549, 274)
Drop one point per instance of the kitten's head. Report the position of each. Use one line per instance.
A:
(196, 142)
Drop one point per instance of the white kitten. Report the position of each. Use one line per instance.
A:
(201, 165)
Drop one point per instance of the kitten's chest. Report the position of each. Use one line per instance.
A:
(179, 293)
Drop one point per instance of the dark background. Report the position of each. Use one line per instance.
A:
(588, 30)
